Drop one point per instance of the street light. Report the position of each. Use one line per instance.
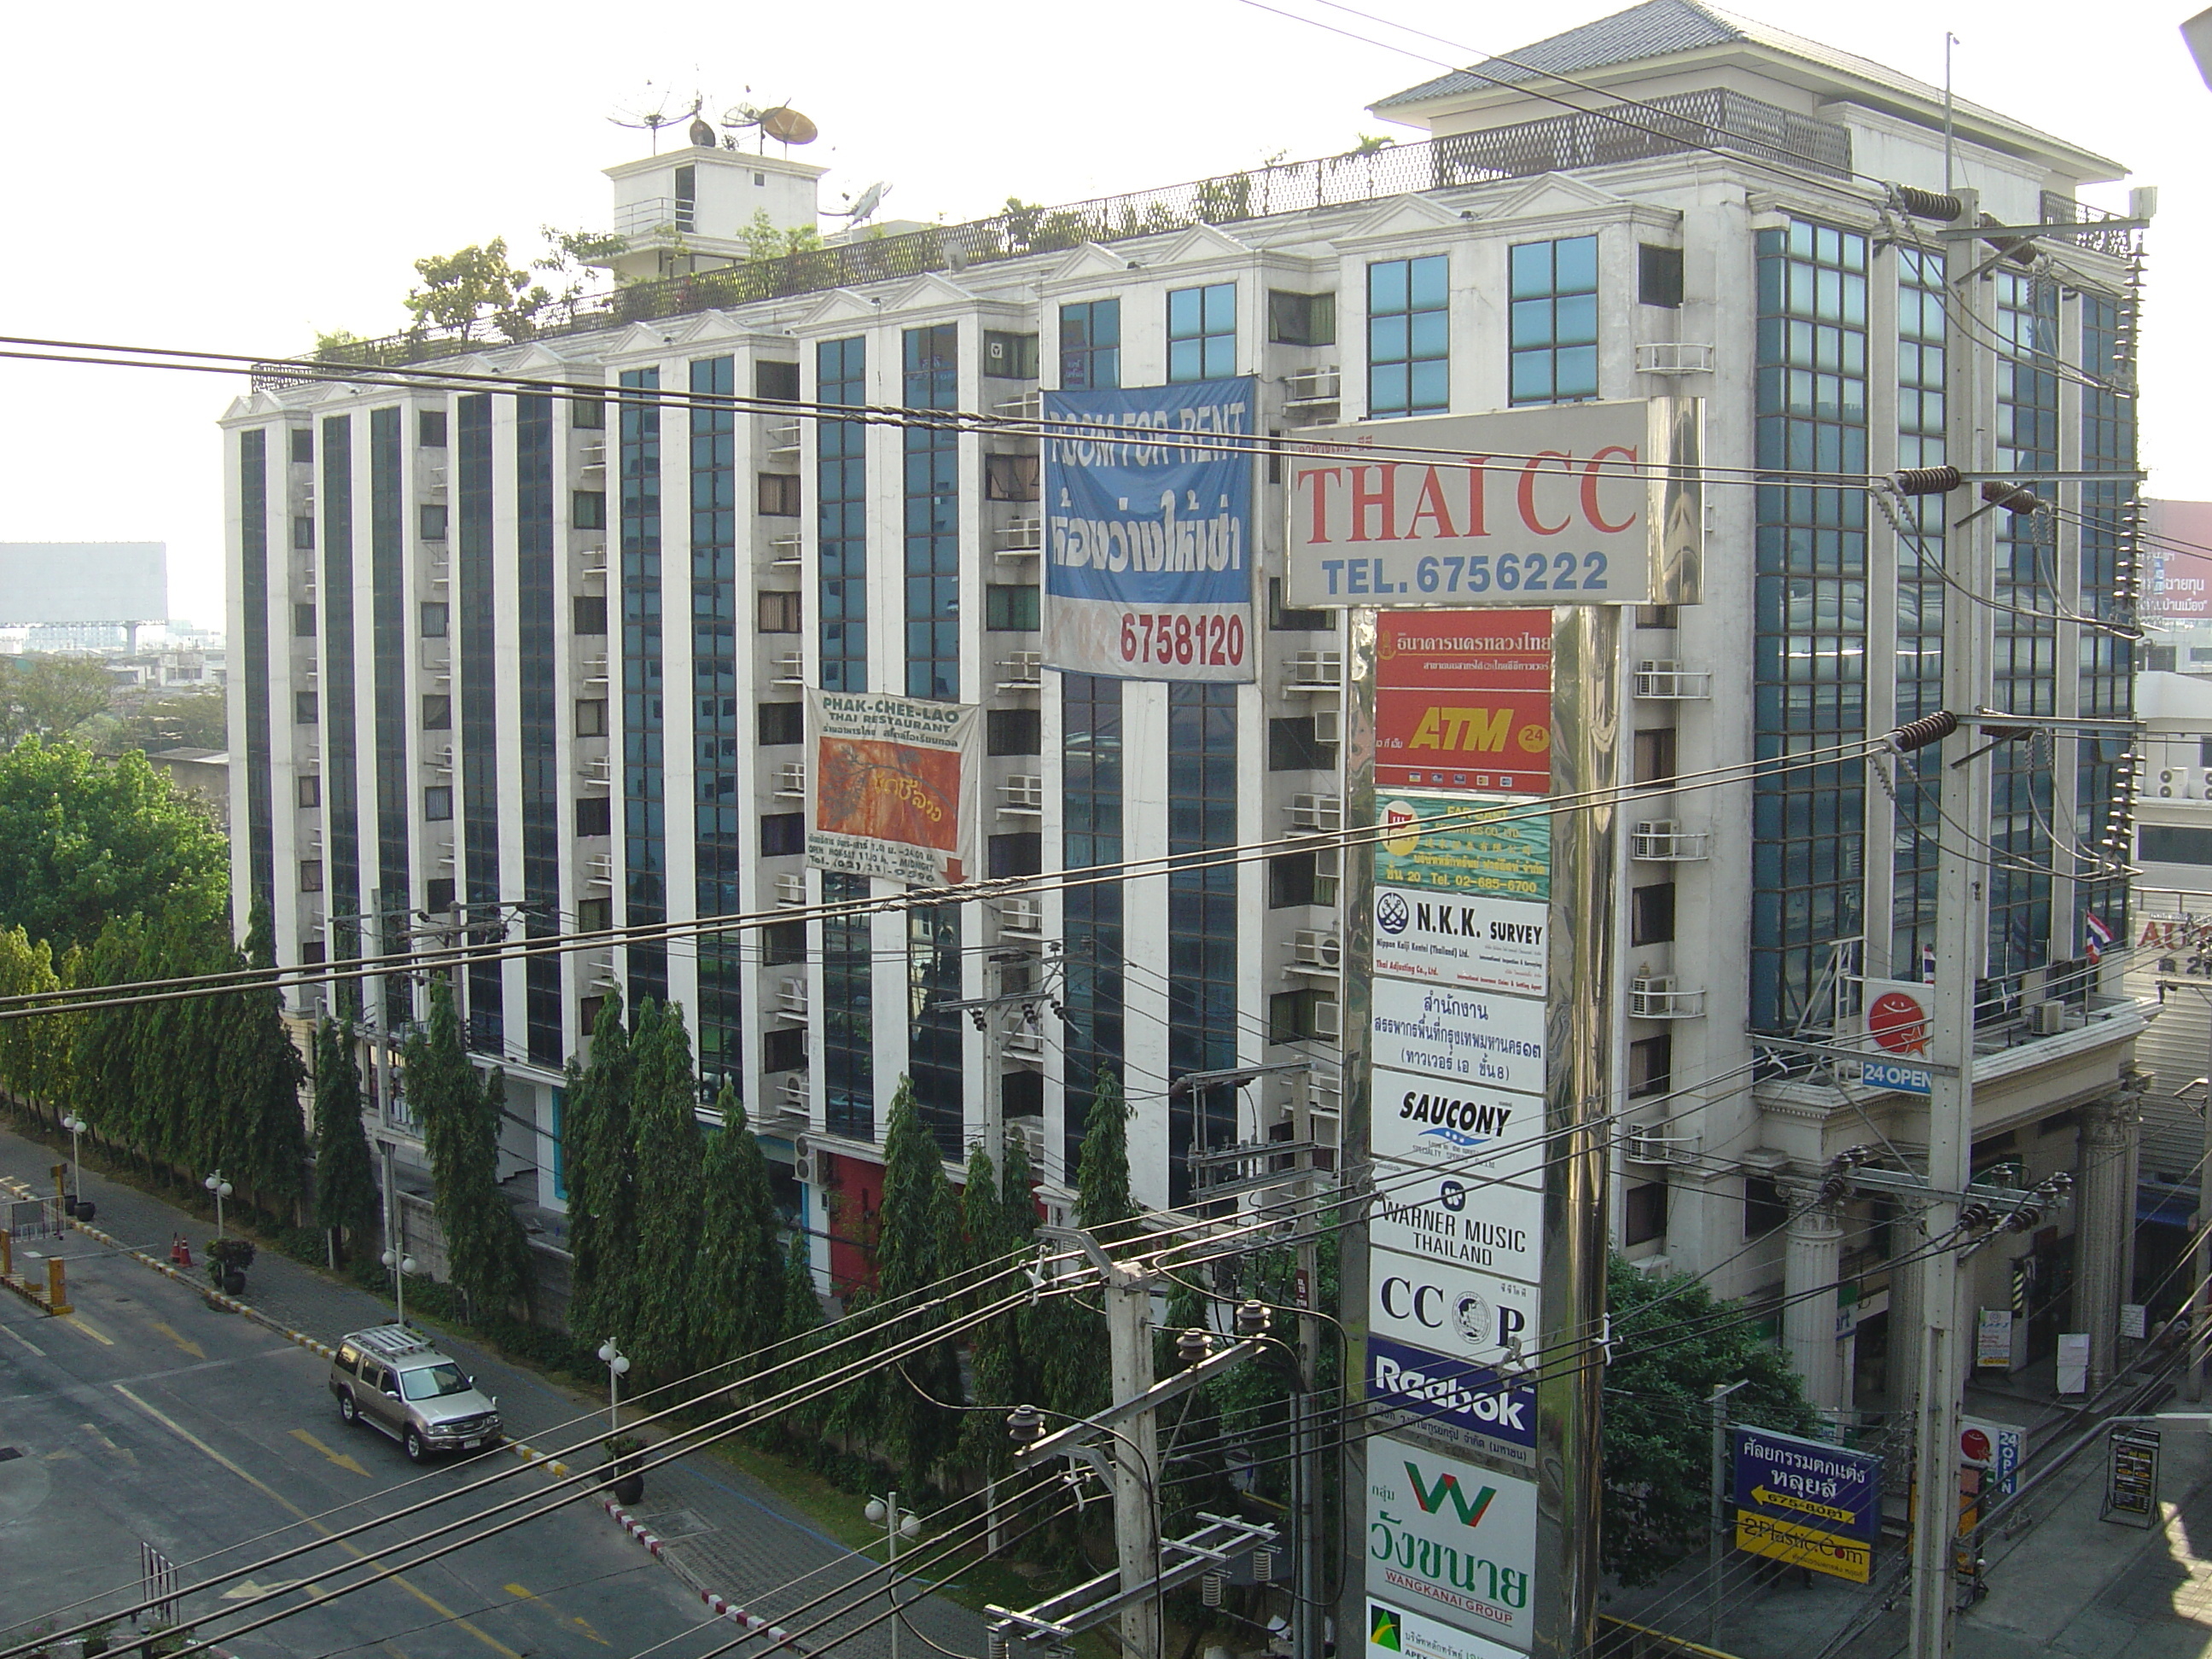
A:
(400, 1266)
(896, 1524)
(221, 1189)
(618, 1364)
(76, 1126)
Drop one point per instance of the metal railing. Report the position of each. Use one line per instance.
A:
(1714, 118)
(656, 214)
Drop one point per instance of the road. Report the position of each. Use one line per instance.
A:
(150, 1415)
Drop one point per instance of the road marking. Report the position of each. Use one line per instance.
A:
(80, 1323)
(286, 1503)
(128, 1456)
(24, 1340)
(338, 1458)
(190, 1347)
(246, 1590)
(528, 1595)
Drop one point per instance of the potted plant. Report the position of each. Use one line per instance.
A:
(228, 1259)
(99, 1637)
(623, 1453)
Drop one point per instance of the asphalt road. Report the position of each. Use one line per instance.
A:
(149, 1415)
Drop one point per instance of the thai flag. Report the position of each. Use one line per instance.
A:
(2095, 936)
(1928, 965)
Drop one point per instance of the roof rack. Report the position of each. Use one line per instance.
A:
(392, 1342)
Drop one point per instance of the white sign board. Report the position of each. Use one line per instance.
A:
(1459, 1312)
(1485, 944)
(1471, 1036)
(1472, 1130)
(1457, 1541)
(2074, 1362)
(1394, 1633)
(1468, 1222)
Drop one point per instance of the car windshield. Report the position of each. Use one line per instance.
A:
(434, 1382)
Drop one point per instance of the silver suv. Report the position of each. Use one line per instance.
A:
(390, 1378)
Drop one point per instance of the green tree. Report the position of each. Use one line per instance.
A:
(599, 1156)
(1102, 1202)
(486, 1251)
(994, 1239)
(459, 288)
(802, 1326)
(34, 1052)
(255, 1127)
(195, 718)
(1674, 1343)
(50, 696)
(670, 1196)
(737, 1283)
(764, 240)
(345, 1183)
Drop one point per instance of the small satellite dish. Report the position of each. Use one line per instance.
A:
(787, 126)
(702, 136)
(871, 199)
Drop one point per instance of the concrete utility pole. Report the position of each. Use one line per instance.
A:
(1716, 1544)
(1961, 937)
(1136, 1457)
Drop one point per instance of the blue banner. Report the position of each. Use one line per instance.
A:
(1463, 1403)
(1148, 532)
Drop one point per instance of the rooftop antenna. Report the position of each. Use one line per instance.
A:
(1949, 149)
(779, 121)
(865, 209)
(652, 112)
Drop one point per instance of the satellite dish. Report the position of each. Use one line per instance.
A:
(787, 126)
(702, 136)
(651, 113)
(871, 199)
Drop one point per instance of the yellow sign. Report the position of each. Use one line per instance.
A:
(1785, 1500)
(1802, 1547)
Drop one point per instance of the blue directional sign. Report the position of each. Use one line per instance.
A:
(1826, 1488)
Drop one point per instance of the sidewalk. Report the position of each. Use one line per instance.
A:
(733, 1540)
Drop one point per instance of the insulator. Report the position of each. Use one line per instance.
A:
(1928, 203)
(1209, 1588)
(1918, 734)
(2014, 498)
(1926, 480)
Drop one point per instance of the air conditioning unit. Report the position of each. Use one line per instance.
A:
(1317, 813)
(2183, 783)
(592, 557)
(1314, 386)
(433, 480)
(440, 759)
(790, 779)
(1651, 997)
(598, 769)
(1669, 682)
(786, 552)
(784, 437)
(1316, 670)
(1022, 792)
(1327, 1019)
(791, 1095)
(1329, 864)
(1311, 948)
(1328, 726)
(1664, 1142)
(593, 454)
(1664, 840)
(791, 669)
(791, 997)
(791, 890)
(600, 870)
(1024, 1043)
(1019, 537)
(595, 669)
(2047, 1019)
(1022, 672)
(1021, 915)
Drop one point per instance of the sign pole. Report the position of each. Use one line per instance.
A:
(1716, 1546)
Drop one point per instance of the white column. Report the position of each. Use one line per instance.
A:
(2102, 1224)
(1808, 1317)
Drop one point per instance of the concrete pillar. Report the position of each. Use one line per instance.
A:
(2103, 1223)
(1808, 1317)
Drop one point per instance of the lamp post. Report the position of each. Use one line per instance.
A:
(400, 1266)
(618, 1364)
(76, 1126)
(896, 1524)
(221, 1189)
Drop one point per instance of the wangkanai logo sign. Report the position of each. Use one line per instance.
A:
(1455, 1540)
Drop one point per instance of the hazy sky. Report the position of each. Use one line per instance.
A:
(235, 178)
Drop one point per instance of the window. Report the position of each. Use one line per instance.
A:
(589, 414)
(1655, 616)
(1090, 346)
(1650, 1065)
(784, 1049)
(1409, 336)
(310, 787)
(311, 952)
(783, 943)
(1021, 854)
(1764, 1208)
(592, 717)
(782, 723)
(1291, 880)
(1292, 747)
(1555, 320)
(2173, 844)
(1011, 478)
(433, 521)
(1202, 332)
(1645, 1216)
(1011, 608)
(779, 495)
(303, 621)
(782, 834)
(2162, 659)
(433, 615)
(2204, 751)
(588, 613)
(1009, 357)
(304, 712)
(1284, 619)
(438, 893)
(1659, 276)
(438, 803)
(779, 611)
(437, 712)
(1291, 1017)
(594, 915)
(1301, 319)
(1655, 758)
(1014, 731)
(303, 444)
(303, 532)
(430, 428)
(595, 816)
(311, 875)
(777, 382)
(1651, 914)
(588, 509)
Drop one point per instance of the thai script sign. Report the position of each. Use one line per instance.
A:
(1496, 945)
(1392, 1631)
(888, 793)
(1806, 1503)
(1148, 545)
(1458, 1541)
(1455, 1402)
(1458, 844)
(1470, 1221)
(1475, 1132)
(1464, 700)
(1460, 1311)
(1471, 1036)
(1568, 504)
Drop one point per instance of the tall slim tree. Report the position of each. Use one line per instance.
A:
(345, 1180)
(260, 1077)
(486, 1250)
(995, 1346)
(1068, 1342)
(802, 1321)
(600, 1157)
(1102, 1202)
(670, 1196)
(737, 1281)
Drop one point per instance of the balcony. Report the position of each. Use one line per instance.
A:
(656, 216)
(1018, 538)
(1663, 998)
(784, 440)
(1023, 671)
(791, 781)
(1669, 682)
(1315, 670)
(1023, 795)
(1316, 814)
(1664, 840)
(786, 552)
(1673, 357)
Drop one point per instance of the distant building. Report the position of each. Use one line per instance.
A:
(203, 774)
(95, 595)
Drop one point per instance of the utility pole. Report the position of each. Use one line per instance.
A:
(2200, 1296)
(1136, 1458)
(1961, 898)
(1716, 1546)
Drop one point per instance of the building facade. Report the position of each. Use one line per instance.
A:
(535, 658)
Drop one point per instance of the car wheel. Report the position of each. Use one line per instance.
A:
(416, 1451)
(348, 1410)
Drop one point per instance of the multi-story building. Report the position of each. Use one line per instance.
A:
(465, 678)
